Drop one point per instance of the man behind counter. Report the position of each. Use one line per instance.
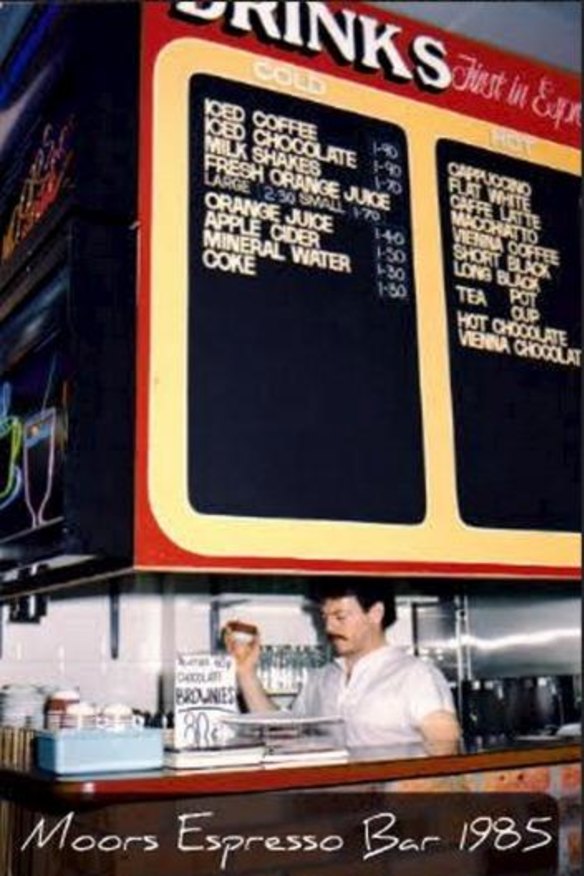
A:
(384, 695)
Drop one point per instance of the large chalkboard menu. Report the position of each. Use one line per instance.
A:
(303, 370)
(511, 261)
(358, 319)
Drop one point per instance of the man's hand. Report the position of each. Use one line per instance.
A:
(244, 650)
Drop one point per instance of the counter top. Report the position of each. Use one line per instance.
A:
(363, 766)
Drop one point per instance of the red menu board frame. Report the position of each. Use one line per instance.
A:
(487, 98)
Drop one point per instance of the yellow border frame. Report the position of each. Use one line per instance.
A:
(442, 537)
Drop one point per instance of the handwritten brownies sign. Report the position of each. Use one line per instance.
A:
(204, 690)
(358, 300)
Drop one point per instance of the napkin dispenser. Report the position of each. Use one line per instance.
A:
(74, 752)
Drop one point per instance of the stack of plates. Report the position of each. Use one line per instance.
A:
(21, 705)
(284, 724)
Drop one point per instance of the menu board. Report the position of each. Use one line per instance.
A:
(359, 318)
(302, 335)
(511, 263)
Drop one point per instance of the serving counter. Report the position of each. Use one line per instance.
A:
(388, 766)
(142, 805)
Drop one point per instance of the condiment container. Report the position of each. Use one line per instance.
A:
(56, 705)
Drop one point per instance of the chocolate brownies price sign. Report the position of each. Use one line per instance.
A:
(204, 690)
(358, 302)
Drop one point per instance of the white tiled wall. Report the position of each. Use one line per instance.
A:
(71, 644)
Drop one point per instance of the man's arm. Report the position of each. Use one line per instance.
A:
(253, 693)
(441, 732)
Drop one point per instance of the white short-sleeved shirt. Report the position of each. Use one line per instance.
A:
(386, 697)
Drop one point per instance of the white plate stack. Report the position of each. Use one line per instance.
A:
(21, 705)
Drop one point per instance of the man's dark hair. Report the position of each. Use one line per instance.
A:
(367, 591)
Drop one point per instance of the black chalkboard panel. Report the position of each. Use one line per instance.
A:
(303, 388)
(511, 258)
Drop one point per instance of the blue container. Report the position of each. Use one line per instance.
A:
(71, 752)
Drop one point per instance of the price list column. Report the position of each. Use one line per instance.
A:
(511, 266)
(392, 246)
(305, 397)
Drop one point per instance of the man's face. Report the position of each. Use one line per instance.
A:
(351, 630)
